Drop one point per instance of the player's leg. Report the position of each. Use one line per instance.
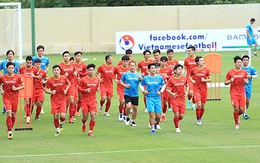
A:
(9, 119)
(134, 101)
(121, 108)
(128, 107)
(176, 119)
(158, 112)
(255, 47)
(92, 122)
(85, 111)
(108, 103)
(72, 108)
(56, 123)
(27, 109)
(103, 94)
(164, 105)
(38, 109)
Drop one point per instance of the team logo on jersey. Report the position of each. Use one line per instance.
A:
(126, 42)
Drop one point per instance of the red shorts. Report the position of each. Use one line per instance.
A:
(165, 96)
(238, 100)
(58, 106)
(200, 96)
(38, 95)
(106, 92)
(178, 105)
(72, 90)
(88, 107)
(120, 93)
(11, 105)
(190, 84)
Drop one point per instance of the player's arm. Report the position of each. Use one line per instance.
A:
(207, 79)
(228, 80)
(1, 87)
(247, 33)
(67, 87)
(184, 70)
(187, 89)
(20, 87)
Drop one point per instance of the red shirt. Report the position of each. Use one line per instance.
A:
(172, 63)
(69, 68)
(237, 86)
(107, 75)
(189, 63)
(38, 82)
(165, 73)
(9, 81)
(81, 69)
(121, 62)
(85, 83)
(59, 85)
(177, 86)
(143, 66)
(196, 74)
(25, 71)
(119, 71)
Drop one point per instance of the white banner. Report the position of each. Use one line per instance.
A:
(179, 40)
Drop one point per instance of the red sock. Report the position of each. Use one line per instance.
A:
(201, 112)
(239, 113)
(13, 121)
(102, 102)
(28, 110)
(78, 106)
(236, 115)
(108, 105)
(176, 122)
(164, 108)
(198, 113)
(72, 110)
(56, 123)
(91, 124)
(62, 119)
(189, 96)
(145, 102)
(38, 111)
(9, 123)
(180, 118)
(120, 108)
(83, 121)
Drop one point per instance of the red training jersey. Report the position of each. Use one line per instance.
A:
(165, 73)
(38, 84)
(70, 69)
(121, 62)
(107, 75)
(81, 69)
(119, 71)
(237, 86)
(196, 74)
(85, 83)
(143, 66)
(27, 71)
(171, 64)
(177, 85)
(9, 82)
(189, 63)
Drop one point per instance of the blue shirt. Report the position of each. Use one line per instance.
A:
(250, 30)
(250, 71)
(44, 61)
(153, 85)
(4, 63)
(133, 80)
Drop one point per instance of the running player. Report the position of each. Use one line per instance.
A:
(69, 71)
(12, 84)
(58, 86)
(119, 71)
(171, 61)
(88, 86)
(250, 37)
(199, 76)
(157, 55)
(107, 76)
(130, 81)
(190, 63)
(29, 70)
(128, 53)
(251, 73)
(176, 88)
(237, 77)
(154, 87)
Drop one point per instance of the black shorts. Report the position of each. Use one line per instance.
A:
(133, 100)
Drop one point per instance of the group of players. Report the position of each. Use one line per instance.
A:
(160, 79)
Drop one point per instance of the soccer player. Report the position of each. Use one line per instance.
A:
(251, 73)
(130, 81)
(157, 55)
(142, 66)
(39, 78)
(128, 53)
(119, 71)
(81, 68)
(154, 87)
(58, 86)
(250, 36)
(44, 61)
(171, 61)
(165, 72)
(12, 84)
(29, 70)
(190, 63)
(237, 77)
(176, 88)
(107, 76)
(88, 86)
(199, 76)
(9, 58)
(69, 71)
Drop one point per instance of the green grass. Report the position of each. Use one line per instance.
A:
(215, 141)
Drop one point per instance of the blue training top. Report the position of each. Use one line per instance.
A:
(153, 85)
(133, 80)
(44, 61)
(4, 63)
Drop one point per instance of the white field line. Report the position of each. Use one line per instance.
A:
(126, 151)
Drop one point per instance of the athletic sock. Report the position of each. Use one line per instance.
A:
(56, 123)
(72, 110)
(78, 106)
(102, 102)
(236, 115)
(92, 124)
(62, 119)
(120, 109)
(9, 123)
(108, 105)
(164, 108)
(198, 113)
(38, 111)
(176, 122)
(201, 112)
(83, 121)
(13, 121)
(189, 97)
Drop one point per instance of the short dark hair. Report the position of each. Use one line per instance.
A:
(9, 64)
(56, 66)
(91, 65)
(164, 58)
(125, 58)
(28, 58)
(245, 56)
(132, 62)
(107, 57)
(156, 51)
(157, 64)
(40, 47)
(77, 52)
(237, 58)
(252, 19)
(8, 51)
(169, 51)
(146, 51)
(176, 66)
(128, 51)
(197, 59)
(71, 59)
(191, 47)
(151, 64)
(37, 61)
(65, 52)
